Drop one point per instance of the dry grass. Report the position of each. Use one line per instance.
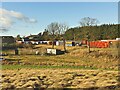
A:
(58, 78)
(76, 56)
(75, 69)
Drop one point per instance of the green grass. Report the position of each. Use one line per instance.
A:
(14, 67)
(9, 67)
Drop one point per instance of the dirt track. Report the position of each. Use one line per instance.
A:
(58, 78)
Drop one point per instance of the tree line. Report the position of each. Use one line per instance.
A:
(102, 32)
(88, 29)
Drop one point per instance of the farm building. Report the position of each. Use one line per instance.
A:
(8, 42)
(33, 39)
(70, 43)
(7, 39)
(67, 43)
(59, 43)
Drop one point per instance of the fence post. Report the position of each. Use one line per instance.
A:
(16, 51)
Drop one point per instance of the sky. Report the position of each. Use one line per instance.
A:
(60, 0)
(27, 18)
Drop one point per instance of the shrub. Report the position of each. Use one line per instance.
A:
(19, 45)
(28, 45)
(114, 44)
(115, 49)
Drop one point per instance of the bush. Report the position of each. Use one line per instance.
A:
(115, 49)
(28, 45)
(19, 45)
(114, 44)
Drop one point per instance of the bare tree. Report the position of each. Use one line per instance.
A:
(62, 29)
(57, 29)
(87, 21)
(53, 30)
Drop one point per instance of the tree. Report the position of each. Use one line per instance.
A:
(62, 28)
(40, 34)
(57, 30)
(87, 21)
(53, 30)
(61, 31)
(96, 32)
(45, 35)
(88, 37)
(18, 37)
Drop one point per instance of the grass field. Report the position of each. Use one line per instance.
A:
(59, 78)
(76, 57)
(75, 69)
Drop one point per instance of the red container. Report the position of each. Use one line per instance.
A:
(99, 44)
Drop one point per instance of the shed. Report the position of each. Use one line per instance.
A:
(54, 51)
(70, 43)
(59, 43)
(7, 39)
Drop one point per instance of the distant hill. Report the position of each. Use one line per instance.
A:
(93, 33)
(106, 31)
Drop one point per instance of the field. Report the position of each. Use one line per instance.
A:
(96, 69)
(59, 78)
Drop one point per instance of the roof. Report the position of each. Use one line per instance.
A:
(32, 36)
(7, 36)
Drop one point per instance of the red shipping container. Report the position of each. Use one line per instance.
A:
(99, 44)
